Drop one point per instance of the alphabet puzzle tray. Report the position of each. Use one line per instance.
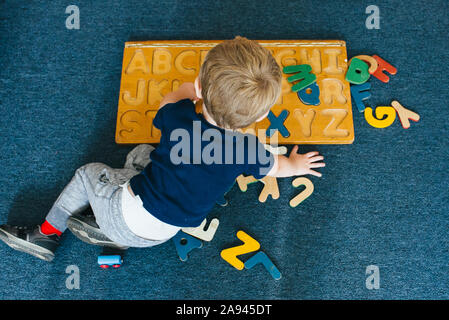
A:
(151, 69)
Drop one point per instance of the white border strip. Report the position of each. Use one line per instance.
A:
(213, 44)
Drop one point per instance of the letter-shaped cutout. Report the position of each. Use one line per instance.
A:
(357, 72)
(389, 112)
(155, 95)
(305, 121)
(230, 254)
(140, 94)
(383, 66)
(135, 125)
(138, 63)
(161, 61)
(332, 61)
(179, 60)
(332, 130)
(243, 182)
(132, 123)
(404, 114)
(314, 60)
(201, 233)
(303, 75)
(277, 123)
(282, 58)
(360, 93)
(368, 59)
(261, 257)
(270, 188)
(310, 95)
(332, 91)
(185, 243)
(154, 132)
(304, 194)
(175, 85)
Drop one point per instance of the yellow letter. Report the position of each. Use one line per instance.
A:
(389, 112)
(230, 254)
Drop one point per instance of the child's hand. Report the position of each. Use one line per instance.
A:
(297, 164)
(187, 89)
(302, 164)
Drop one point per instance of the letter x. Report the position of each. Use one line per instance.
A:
(277, 123)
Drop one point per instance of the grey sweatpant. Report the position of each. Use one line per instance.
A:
(98, 185)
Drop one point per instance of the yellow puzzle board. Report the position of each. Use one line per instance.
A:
(151, 69)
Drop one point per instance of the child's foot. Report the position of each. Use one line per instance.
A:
(87, 230)
(30, 240)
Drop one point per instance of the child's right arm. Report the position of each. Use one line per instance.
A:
(296, 164)
(185, 91)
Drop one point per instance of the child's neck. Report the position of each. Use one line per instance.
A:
(208, 118)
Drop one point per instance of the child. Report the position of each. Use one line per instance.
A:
(199, 156)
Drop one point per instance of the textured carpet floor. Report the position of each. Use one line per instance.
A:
(381, 201)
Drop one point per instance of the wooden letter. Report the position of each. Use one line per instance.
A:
(404, 114)
(270, 188)
(303, 195)
(389, 112)
(200, 233)
(230, 254)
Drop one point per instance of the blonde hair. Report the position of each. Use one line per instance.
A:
(240, 81)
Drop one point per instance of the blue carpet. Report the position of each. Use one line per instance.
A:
(381, 201)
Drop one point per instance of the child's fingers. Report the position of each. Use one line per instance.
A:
(311, 154)
(315, 173)
(318, 158)
(294, 150)
(317, 165)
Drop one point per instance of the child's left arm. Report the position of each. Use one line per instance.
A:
(185, 91)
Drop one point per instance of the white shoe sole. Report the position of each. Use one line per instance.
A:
(25, 246)
(89, 234)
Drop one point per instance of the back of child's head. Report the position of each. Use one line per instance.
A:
(240, 81)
